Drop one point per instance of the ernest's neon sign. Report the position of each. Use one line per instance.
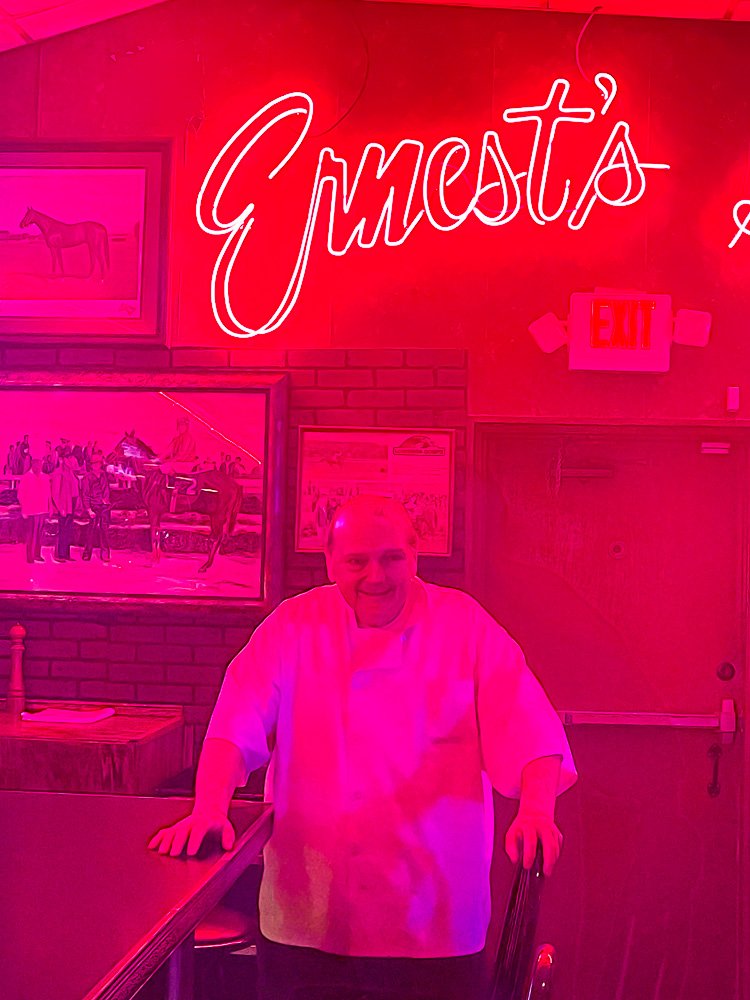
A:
(433, 174)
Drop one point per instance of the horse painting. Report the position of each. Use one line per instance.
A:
(212, 493)
(60, 235)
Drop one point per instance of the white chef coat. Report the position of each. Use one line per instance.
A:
(381, 843)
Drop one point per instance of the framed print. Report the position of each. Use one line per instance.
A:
(413, 466)
(83, 242)
(140, 487)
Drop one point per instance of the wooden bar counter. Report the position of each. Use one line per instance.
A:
(130, 753)
(87, 911)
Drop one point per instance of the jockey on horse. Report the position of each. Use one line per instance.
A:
(180, 459)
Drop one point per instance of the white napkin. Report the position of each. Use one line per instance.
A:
(68, 715)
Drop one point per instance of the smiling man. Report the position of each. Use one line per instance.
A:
(381, 701)
(371, 555)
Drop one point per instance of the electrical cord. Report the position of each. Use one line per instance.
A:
(578, 41)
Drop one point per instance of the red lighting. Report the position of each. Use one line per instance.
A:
(408, 184)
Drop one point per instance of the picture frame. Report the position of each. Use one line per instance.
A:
(84, 242)
(152, 489)
(415, 466)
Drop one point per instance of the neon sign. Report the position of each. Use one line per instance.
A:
(624, 331)
(401, 208)
(741, 223)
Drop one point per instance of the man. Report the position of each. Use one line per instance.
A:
(179, 460)
(50, 459)
(182, 448)
(64, 487)
(10, 462)
(23, 457)
(96, 503)
(381, 700)
(34, 497)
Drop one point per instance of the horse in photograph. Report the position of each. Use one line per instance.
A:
(211, 492)
(216, 494)
(60, 235)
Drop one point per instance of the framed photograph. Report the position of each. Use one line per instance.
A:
(413, 466)
(141, 487)
(83, 242)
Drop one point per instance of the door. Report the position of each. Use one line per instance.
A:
(617, 558)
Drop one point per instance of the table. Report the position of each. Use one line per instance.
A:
(86, 911)
(132, 752)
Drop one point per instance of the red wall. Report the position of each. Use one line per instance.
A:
(195, 72)
(422, 333)
(162, 657)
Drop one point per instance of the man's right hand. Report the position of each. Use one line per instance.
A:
(190, 832)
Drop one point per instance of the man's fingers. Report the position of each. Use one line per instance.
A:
(189, 834)
(198, 832)
(551, 839)
(162, 840)
(511, 844)
(227, 836)
(167, 836)
(522, 838)
(529, 847)
(181, 831)
(550, 850)
(155, 841)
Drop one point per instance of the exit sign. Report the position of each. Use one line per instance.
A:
(619, 331)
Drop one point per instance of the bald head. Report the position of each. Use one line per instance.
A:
(369, 509)
(371, 553)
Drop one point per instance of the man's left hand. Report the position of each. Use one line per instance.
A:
(528, 829)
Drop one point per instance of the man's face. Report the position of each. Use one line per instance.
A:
(373, 565)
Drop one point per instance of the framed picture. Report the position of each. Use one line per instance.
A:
(413, 466)
(83, 242)
(141, 487)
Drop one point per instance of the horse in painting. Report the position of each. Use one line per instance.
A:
(212, 493)
(60, 235)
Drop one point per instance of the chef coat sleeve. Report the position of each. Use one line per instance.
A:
(517, 723)
(247, 707)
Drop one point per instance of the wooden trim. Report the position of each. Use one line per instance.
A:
(511, 420)
(113, 379)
